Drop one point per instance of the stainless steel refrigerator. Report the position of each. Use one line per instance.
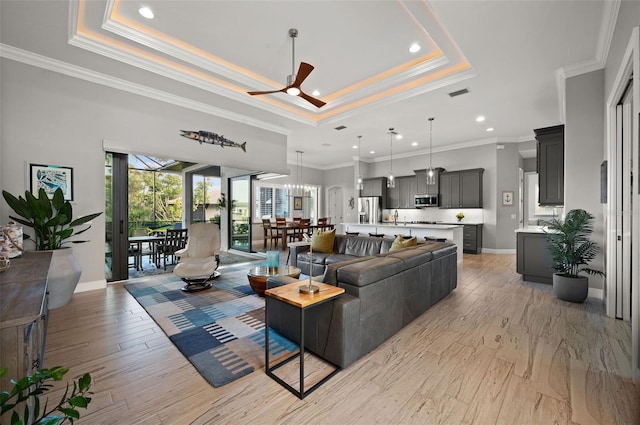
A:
(369, 210)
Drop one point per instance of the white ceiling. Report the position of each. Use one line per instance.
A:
(506, 53)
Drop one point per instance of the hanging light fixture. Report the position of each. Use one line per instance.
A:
(391, 181)
(298, 189)
(432, 174)
(359, 186)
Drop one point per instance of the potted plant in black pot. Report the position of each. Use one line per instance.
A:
(53, 224)
(572, 251)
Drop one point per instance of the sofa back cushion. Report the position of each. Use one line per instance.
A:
(363, 246)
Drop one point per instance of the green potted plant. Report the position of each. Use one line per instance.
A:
(53, 224)
(572, 251)
(24, 398)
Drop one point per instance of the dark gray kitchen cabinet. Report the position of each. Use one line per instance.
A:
(422, 188)
(550, 165)
(461, 189)
(402, 195)
(472, 238)
(376, 186)
(534, 260)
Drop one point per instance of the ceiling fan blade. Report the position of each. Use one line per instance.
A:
(303, 72)
(253, 93)
(317, 102)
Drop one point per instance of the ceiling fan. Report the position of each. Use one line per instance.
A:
(295, 80)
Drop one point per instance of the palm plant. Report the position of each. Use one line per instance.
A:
(569, 244)
(51, 219)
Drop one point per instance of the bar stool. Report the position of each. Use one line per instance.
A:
(352, 233)
(432, 239)
(404, 236)
(376, 235)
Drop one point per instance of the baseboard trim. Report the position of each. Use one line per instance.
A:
(596, 293)
(91, 286)
(498, 251)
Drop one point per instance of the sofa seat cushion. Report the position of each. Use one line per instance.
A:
(372, 270)
(317, 257)
(338, 258)
(412, 257)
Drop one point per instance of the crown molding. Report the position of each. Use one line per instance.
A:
(39, 61)
(607, 28)
(403, 95)
(166, 71)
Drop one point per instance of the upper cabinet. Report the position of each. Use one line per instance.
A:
(550, 165)
(402, 196)
(461, 189)
(376, 186)
(422, 188)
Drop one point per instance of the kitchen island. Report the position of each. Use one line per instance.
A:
(450, 232)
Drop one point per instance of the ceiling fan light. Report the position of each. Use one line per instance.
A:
(293, 91)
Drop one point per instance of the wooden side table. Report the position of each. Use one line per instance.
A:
(289, 294)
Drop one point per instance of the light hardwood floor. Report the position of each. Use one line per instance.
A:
(496, 351)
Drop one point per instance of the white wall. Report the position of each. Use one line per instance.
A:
(50, 118)
(584, 135)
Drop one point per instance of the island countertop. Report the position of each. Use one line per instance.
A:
(437, 226)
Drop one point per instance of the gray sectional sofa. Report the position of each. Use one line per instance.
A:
(384, 291)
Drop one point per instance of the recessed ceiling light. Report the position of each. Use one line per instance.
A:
(146, 12)
(490, 129)
(480, 119)
(398, 136)
(414, 144)
(316, 93)
(372, 152)
(415, 47)
(355, 146)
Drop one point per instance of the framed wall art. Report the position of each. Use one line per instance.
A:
(50, 178)
(507, 198)
(297, 203)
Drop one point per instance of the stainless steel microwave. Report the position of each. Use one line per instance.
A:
(423, 201)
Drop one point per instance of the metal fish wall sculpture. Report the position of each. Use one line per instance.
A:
(212, 139)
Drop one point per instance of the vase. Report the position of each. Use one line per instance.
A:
(64, 275)
(572, 289)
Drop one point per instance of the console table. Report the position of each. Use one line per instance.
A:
(289, 294)
(23, 316)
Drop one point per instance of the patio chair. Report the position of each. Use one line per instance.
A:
(174, 240)
(200, 258)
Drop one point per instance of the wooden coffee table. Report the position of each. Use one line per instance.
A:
(258, 276)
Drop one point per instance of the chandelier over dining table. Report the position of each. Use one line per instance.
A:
(299, 189)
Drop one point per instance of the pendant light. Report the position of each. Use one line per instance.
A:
(359, 186)
(391, 181)
(299, 189)
(431, 172)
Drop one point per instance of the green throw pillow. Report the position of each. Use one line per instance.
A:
(323, 241)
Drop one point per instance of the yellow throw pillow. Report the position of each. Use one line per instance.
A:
(323, 241)
(397, 244)
(400, 243)
(410, 242)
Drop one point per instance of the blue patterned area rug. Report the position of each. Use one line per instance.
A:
(220, 330)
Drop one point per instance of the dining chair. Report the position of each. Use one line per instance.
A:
(282, 232)
(269, 233)
(322, 223)
(303, 228)
(174, 240)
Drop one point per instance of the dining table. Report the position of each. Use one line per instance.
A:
(152, 240)
(293, 225)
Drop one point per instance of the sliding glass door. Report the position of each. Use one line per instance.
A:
(240, 213)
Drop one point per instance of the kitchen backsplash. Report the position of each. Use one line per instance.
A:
(471, 215)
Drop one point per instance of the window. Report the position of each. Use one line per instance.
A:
(206, 197)
(276, 201)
